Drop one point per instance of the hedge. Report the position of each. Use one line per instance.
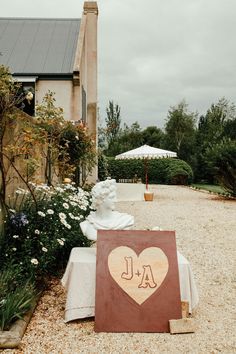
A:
(164, 171)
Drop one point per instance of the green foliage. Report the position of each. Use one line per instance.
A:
(181, 135)
(129, 138)
(209, 187)
(40, 240)
(8, 101)
(17, 296)
(222, 161)
(180, 131)
(9, 97)
(153, 136)
(179, 172)
(76, 151)
(217, 124)
(230, 129)
(165, 171)
(113, 121)
(50, 125)
(102, 167)
(124, 169)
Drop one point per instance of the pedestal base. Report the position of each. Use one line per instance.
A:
(148, 196)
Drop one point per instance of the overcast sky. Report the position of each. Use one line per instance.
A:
(154, 53)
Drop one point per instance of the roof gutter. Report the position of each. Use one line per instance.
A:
(32, 77)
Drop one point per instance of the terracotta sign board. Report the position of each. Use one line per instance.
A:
(137, 281)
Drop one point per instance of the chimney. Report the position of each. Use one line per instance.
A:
(90, 7)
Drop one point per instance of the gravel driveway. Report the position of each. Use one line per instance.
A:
(205, 228)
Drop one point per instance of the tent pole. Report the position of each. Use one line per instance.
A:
(146, 174)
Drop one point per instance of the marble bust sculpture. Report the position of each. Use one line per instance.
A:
(105, 217)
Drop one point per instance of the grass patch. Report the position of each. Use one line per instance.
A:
(209, 187)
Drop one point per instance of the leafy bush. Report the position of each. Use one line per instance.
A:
(102, 167)
(77, 152)
(222, 161)
(166, 171)
(179, 172)
(40, 239)
(124, 169)
(17, 296)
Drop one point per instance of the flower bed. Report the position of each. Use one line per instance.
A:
(39, 238)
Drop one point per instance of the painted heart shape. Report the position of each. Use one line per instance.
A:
(138, 276)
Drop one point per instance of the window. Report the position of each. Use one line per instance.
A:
(27, 92)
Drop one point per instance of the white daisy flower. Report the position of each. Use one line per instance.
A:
(34, 261)
(60, 241)
(62, 216)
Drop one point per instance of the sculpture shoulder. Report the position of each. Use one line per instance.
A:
(88, 230)
(83, 225)
(124, 220)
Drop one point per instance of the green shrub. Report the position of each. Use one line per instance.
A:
(102, 167)
(179, 172)
(40, 240)
(222, 161)
(165, 171)
(17, 296)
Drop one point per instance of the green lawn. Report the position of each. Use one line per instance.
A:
(209, 187)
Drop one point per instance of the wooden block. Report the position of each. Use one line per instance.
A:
(185, 309)
(184, 325)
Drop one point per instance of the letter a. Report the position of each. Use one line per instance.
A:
(129, 269)
(147, 278)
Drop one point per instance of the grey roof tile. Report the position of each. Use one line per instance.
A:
(38, 46)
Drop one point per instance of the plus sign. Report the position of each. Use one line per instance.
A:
(138, 273)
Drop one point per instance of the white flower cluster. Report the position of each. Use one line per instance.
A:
(21, 191)
(62, 218)
(41, 187)
(73, 217)
(79, 199)
(69, 200)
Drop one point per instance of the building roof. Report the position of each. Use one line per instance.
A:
(30, 46)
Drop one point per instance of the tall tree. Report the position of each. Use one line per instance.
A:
(211, 127)
(153, 136)
(222, 163)
(180, 130)
(113, 121)
(218, 123)
(112, 129)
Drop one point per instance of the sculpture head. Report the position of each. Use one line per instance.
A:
(29, 96)
(104, 193)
